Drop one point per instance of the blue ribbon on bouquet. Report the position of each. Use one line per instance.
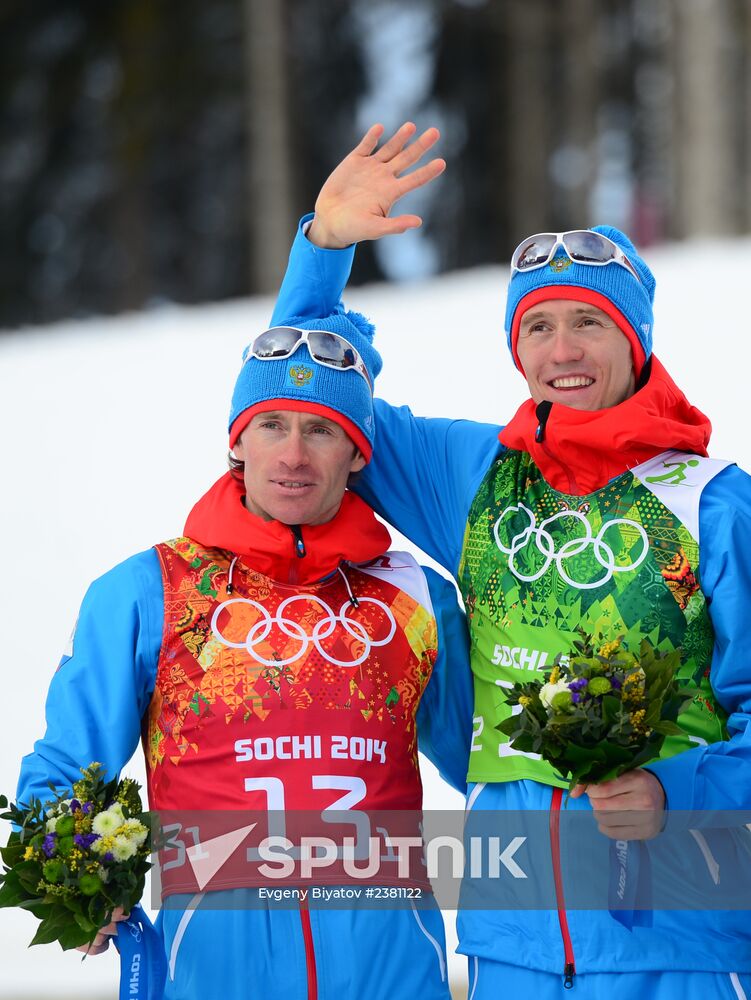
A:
(143, 963)
(630, 883)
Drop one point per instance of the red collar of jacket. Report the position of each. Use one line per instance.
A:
(221, 520)
(579, 451)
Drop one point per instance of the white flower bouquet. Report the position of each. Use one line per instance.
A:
(76, 858)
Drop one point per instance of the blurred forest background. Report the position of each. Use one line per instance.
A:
(154, 152)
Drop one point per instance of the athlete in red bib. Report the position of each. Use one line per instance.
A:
(279, 664)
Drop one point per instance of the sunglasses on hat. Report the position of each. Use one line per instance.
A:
(581, 245)
(325, 348)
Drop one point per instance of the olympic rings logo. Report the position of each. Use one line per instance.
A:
(546, 546)
(323, 628)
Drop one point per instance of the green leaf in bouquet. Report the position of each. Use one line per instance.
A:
(28, 874)
(509, 726)
(649, 752)
(612, 772)
(525, 726)
(616, 756)
(575, 755)
(592, 726)
(130, 797)
(13, 851)
(51, 927)
(73, 936)
(579, 774)
(130, 881)
(90, 927)
(526, 742)
(36, 906)
(611, 709)
(667, 728)
(563, 720)
(660, 671)
(99, 910)
(73, 904)
(677, 703)
(12, 892)
(595, 764)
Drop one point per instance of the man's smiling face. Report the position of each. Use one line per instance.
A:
(574, 353)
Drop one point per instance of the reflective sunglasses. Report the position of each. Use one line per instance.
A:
(581, 245)
(327, 349)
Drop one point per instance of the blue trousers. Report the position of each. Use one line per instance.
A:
(490, 980)
(247, 953)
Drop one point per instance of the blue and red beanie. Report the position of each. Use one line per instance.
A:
(299, 383)
(611, 288)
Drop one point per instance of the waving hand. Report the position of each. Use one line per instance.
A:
(356, 199)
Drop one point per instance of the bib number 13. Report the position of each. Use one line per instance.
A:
(354, 790)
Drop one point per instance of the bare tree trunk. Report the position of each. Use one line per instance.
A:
(528, 81)
(655, 123)
(706, 178)
(269, 210)
(137, 26)
(574, 164)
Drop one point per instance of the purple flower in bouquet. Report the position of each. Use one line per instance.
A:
(84, 840)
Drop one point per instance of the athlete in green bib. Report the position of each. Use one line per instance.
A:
(596, 507)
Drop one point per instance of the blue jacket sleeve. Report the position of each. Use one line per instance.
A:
(718, 776)
(424, 475)
(314, 281)
(104, 683)
(444, 716)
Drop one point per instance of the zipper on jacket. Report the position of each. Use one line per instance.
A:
(296, 530)
(299, 547)
(569, 966)
(310, 955)
(543, 414)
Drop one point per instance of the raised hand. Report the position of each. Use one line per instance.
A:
(355, 201)
(630, 807)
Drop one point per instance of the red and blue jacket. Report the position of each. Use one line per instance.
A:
(268, 669)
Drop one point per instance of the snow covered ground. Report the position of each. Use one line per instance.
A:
(111, 428)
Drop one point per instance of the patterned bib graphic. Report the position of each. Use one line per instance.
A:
(299, 677)
(539, 565)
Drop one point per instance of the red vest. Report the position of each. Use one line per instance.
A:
(274, 696)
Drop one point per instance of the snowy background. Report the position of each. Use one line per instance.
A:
(111, 429)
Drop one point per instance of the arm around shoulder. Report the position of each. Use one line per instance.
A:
(424, 474)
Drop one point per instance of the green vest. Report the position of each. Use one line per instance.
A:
(537, 565)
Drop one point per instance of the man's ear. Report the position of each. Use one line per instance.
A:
(238, 450)
(358, 462)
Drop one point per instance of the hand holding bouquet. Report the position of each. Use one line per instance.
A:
(598, 714)
(77, 858)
